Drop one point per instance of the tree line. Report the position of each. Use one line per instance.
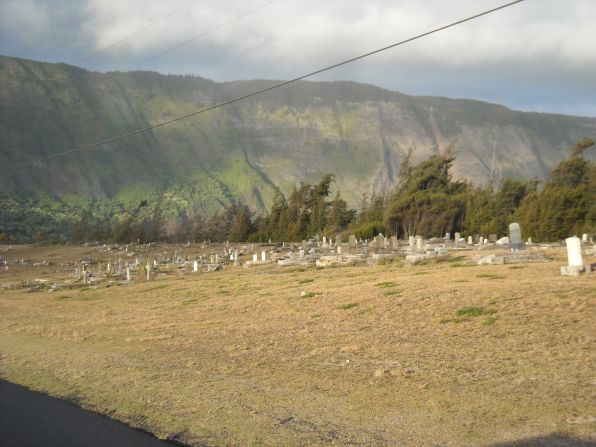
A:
(426, 201)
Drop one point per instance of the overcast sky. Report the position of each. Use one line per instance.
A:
(538, 55)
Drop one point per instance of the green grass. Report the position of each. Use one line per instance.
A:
(489, 320)
(347, 306)
(421, 273)
(490, 276)
(386, 284)
(472, 311)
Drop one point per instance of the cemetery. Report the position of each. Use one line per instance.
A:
(309, 342)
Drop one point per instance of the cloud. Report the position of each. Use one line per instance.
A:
(545, 47)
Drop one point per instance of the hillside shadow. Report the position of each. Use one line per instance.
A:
(552, 440)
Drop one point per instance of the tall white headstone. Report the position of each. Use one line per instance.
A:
(574, 252)
(195, 266)
(255, 257)
(263, 255)
(515, 238)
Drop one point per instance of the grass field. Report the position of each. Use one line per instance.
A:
(368, 356)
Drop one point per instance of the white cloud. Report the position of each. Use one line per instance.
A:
(547, 39)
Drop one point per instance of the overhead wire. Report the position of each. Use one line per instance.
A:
(267, 89)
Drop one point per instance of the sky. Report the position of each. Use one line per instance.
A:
(539, 55)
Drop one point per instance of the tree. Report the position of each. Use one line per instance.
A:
(427, 201)
(567, 203)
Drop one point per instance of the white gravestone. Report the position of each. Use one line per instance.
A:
(574, 252)
(515, 239)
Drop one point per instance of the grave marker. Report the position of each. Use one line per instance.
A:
(515, 239)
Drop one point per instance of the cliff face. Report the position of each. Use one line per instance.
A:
(245, 150)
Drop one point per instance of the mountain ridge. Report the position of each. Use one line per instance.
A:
(244, 151)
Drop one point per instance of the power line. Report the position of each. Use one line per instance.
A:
(272, 87)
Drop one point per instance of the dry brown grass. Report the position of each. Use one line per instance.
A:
(239, 358)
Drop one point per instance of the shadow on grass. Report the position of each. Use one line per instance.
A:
(552, 440)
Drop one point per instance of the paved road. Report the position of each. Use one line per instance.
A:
(30, 419)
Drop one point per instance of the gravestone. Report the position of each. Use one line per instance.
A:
(574, 252)
(128, 273)
(457, 238)
(447, 237)
(585, 238)
(255, 257)
(574, 258)
(148, 267)
(515, 238)
(263, 255)
(419, 243)
(338, 240)
(352, 241)
(195, 266)
(393, 243)
(412, 242)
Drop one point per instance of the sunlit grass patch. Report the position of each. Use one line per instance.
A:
(473, 311)
(489, 320)
(386, 284)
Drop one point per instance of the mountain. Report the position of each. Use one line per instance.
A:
(244, 151)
